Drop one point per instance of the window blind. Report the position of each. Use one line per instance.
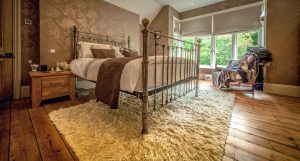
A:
(201, 26)
(236, 21)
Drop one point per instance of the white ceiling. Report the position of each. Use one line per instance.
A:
(185, 5)
(150, 8)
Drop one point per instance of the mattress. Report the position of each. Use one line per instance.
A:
(131, 78)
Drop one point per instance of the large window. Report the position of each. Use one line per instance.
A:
(217, 50)
(223, 49)
(205, 50)
(245, 40)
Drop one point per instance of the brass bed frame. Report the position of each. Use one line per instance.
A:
(190, 68)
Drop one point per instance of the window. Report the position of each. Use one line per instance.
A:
(188, 45)
(219, 49)
(223, 49)
(245, 40)
(205, 50)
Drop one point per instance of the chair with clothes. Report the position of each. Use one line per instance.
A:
(247, 70)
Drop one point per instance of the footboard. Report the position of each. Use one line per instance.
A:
(178, 70)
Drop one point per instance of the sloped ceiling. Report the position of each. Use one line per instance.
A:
(145, 8)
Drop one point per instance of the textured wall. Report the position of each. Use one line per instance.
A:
(29, 37)
(216, 7)
(161, 24)
(283, 40)
(57, 18)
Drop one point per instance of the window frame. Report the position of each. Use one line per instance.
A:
(234, 54)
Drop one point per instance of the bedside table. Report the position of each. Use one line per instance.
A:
(51, 85)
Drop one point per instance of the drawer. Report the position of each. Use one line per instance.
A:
(57, 91)
(55, 81)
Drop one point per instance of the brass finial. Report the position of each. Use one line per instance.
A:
(146, 22)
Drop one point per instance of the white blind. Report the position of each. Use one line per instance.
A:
(201, 26)
(235, 21)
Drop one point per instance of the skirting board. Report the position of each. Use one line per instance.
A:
(25, 91)
(281, 89)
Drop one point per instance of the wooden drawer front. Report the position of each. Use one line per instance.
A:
(55, 81)
(57, 91)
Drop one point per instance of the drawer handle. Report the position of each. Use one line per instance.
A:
(54, 84)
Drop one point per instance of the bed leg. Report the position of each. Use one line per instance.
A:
(197, 67)
(145, 115)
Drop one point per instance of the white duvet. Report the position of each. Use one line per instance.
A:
(131, 78)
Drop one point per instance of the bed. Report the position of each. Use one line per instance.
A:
(169, 66)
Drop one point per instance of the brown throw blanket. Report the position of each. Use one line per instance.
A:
(108, 81)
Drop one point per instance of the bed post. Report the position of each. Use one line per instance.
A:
(145, 63)
(197, 66)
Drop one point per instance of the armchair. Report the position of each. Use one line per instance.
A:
(244, 70)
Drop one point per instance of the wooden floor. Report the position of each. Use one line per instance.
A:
(263, 127)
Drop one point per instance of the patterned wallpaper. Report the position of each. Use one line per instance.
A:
(57, 18)
(29, 37)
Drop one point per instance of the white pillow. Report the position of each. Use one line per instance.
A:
(117, 51)
(100, 46)
(84, 48)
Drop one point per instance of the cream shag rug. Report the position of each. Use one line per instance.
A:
(187, 129)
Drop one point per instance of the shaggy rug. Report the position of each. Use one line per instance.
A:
(190, 128)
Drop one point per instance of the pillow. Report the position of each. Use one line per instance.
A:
(84, 49)
(130, 53)
(100, 46)
(117, 51)
(103, 53)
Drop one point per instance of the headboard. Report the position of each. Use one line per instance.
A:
(96, 38)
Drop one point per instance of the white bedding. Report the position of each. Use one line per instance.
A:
(131, 78)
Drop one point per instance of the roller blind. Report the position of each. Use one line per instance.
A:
(201, 26)
(235, 21)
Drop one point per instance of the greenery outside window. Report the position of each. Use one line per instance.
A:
(219, 49)
(223, 49)
(205, 51)
(245, 40)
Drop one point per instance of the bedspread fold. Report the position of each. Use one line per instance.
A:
(108, 80)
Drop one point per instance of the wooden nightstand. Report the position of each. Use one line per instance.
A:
(51, 85)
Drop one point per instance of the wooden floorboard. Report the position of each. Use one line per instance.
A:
(258, 150)
(234, 153)
(4, 129)
(272, 145)
(263, 127)
(23, 143)
(51, 145)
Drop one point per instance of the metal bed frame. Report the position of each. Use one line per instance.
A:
(187, 82)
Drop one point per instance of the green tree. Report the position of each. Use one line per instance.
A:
(205, 50)
(223, 49)
(246, 40)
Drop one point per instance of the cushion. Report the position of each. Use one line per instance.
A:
(103, 53)
(117, 51)
(100, 46)
(84, 49)
(130, 53)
